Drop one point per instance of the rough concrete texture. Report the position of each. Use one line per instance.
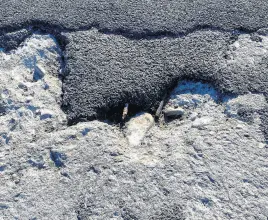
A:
(30, 90)
(204, 165)
(208, 163)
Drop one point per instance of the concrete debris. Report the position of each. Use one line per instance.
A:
(30, 90)
(137, 127)
(173, 112)
(93, 169)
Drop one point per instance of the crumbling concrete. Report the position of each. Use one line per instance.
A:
(208, 164)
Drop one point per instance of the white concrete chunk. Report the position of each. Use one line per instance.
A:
(169, 112)
(137, 128)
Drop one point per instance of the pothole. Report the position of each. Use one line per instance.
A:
(202, 109)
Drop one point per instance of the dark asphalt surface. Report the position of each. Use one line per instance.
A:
(141, 48)
(110, 70)
(149, 16)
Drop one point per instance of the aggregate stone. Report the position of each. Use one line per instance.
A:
(137, 128)
(173, 112)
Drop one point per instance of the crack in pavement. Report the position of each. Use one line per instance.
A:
(158, 61)
(11, 38)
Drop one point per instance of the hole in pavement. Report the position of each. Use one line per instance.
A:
(112, 114)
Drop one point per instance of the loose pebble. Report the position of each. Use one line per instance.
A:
(137, 128)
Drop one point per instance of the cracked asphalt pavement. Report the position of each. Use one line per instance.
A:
(92, 57)
(124, 51)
